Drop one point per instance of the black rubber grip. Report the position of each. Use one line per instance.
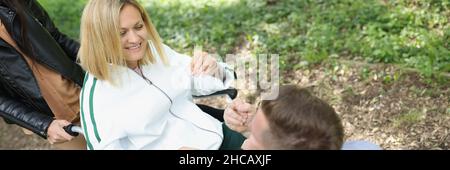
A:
(68, 129)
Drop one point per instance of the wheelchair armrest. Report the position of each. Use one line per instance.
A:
(231, 92)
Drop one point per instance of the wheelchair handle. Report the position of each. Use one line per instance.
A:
(73, 130)
(232, 93)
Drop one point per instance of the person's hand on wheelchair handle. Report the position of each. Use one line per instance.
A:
(56, 133)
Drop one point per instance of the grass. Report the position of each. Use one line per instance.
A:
(411, 117)
(412, 33)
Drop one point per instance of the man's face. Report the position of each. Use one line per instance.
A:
(258, 128)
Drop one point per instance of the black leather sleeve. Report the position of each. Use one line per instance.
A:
(69, 45)
(15, 112)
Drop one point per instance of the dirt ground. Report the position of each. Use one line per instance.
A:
(383, 104)
(12, 137)
(380, 103)
(396, 109)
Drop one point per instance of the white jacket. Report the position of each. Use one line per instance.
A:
(154, 114)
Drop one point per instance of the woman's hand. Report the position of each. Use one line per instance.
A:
(238, 116)
(56, 133)
(204, 64)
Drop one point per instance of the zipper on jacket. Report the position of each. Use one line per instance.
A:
(171, 103)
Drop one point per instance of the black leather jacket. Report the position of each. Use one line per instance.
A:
(21, 101)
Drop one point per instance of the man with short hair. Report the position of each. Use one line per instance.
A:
(295, 120)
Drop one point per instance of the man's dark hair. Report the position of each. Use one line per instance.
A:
(299, 120)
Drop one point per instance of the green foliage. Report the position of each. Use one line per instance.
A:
(414, 33)
(65, 14)
(411, 117)
(365, 73)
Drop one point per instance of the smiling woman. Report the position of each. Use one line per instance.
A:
(125, 27)
(133, 35)
(137, 93)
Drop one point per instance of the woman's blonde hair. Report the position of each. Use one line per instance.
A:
(100, 38)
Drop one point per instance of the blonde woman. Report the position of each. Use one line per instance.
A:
(137, 92)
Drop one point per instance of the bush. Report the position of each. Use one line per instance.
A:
(410, 32)
(65, 14)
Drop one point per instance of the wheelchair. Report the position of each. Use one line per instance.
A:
(230, 93)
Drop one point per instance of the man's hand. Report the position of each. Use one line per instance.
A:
(238, 116)
(56, 133)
